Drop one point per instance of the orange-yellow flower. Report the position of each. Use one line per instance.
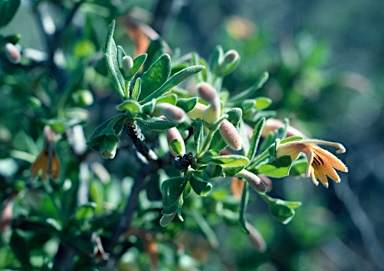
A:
(321, 163)
(47, 161)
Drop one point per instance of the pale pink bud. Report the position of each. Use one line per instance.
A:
(172, 112)
(230, 135)
(174, 134)
(273, 124)
(12, 53)
(252, 179)
(206, 92)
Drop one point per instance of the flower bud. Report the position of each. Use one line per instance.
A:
(172, 112)
(175, 142)
(108, 147)
(253, 180)
(273, 124)
(230, 135)
(211, 114)
(12, 53)
(127, 65)
(206, 92)
(197, 111)
(230, 57)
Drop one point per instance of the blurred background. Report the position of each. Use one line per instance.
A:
(325, 60)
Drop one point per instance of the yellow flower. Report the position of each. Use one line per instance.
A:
(47, 161)
(321, 163)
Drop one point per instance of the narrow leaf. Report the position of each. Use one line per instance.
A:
(250, 91)
(110, 56)
(136, 89)
(243, 207)
(255, 139)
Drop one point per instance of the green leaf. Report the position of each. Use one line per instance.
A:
(250, 91)
(86, 211)
(176, 146)
(262, 103)
(137, 63)
(170, 98)
(154, 51)
(230, 160)
(283, 210)
(255, 138)
(234, 116)
(157, 74)
(131, 106)
(176, 79)
(166, 219)
(8, 9)
(243, 207)
(198, 134)
(187, 104)
(298, 167)
(277, 168)
(19, 246)
(172, 189)
(199, 185)
(110, 56)
(154, 123)
(217, 58)
(136, 89)
(110, 128)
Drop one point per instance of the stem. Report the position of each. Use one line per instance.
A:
(262, 156)
(206, 143)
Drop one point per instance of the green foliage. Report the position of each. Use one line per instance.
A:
(96, 212)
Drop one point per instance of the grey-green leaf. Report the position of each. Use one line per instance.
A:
(110, 56)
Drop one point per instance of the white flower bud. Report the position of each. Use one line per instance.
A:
(127, 65)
